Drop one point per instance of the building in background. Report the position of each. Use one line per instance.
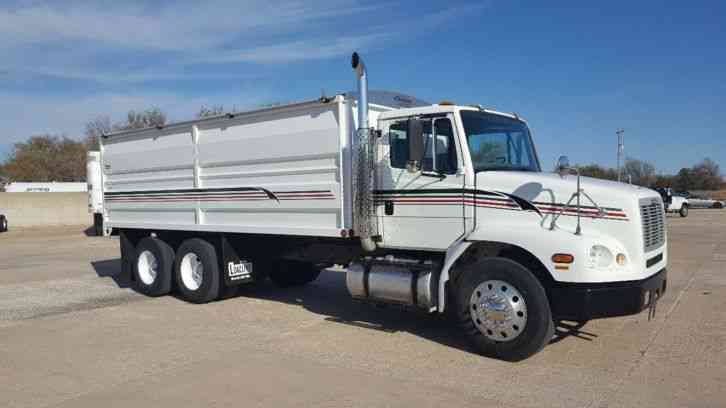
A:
(22, 187)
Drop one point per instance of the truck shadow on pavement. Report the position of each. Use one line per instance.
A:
(328, 297)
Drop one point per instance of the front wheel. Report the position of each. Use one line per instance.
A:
(3, 223)
(683, 211)
(503, 309)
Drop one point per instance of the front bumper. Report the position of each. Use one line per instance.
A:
(585, 301)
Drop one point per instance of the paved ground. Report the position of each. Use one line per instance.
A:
(73, 335)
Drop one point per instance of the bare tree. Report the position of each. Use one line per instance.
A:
(214, 110)
(101, 125)
(708, 175)
(597, 171)
(139, 120)
(641, 172)
(95, 128)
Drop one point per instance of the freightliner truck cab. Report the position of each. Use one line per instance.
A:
(522, 247)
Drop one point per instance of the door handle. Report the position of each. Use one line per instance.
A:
(388, 206)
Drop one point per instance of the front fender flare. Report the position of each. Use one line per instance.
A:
(452, 255)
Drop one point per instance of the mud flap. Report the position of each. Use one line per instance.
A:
(235, 270)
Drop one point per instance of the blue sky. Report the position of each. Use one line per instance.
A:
(576, 70)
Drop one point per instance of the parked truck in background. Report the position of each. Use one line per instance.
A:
(95, 190)
(674, 203)
(440, 207)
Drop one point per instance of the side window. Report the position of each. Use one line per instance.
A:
(397, 137)
(440, 156)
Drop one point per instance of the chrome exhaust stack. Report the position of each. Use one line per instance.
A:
(364, 211)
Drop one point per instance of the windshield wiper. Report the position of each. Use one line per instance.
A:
(435, 174)
(505, 169)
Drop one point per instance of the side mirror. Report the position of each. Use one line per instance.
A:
(415, 145)
(563, 165)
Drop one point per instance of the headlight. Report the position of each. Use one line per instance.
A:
(600, 257)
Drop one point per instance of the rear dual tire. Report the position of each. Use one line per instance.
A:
(196, 271)
(153, 263)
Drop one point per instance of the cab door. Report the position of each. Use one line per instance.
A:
(421, 208)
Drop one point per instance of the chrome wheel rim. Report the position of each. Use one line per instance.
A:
(498, 310)
(147, 266)
(192, 271)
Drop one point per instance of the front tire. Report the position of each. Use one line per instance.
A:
(3, 224)
(153, 263)
(683, 211)
(503, 309)
(196, 271)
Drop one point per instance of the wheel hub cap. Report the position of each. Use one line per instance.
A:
(147, 267)
(192, 271)
(498, 310)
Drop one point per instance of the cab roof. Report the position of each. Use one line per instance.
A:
(442, 108)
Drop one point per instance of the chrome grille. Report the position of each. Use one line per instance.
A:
(653, 217)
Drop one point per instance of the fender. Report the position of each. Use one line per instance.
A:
(452, 255)
(542, 243)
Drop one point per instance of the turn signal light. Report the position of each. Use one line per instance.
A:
(621, 259)
(563, 258)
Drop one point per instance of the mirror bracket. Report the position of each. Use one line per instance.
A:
(415, 145)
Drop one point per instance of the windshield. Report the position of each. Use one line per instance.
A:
(498, 142)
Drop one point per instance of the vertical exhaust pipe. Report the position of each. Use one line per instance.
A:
(360, 71)
(364, 216)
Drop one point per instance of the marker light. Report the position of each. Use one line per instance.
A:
(563, 258)
(621, 259)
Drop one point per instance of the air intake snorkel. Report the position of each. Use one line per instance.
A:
(364, 220)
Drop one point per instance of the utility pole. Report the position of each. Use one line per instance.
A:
(621, 149)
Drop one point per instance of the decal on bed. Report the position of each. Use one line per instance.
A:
(216, 194)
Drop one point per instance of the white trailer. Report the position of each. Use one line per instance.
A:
(94, 181)
(438, 207)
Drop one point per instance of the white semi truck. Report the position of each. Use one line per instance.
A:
(442, 207)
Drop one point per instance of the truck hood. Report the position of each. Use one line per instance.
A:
(532, 211)
(549, 190)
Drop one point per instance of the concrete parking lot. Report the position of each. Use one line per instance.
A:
(72, 334)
